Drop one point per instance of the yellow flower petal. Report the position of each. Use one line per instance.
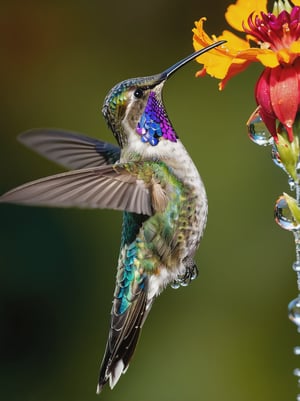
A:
(296, 2)
(217, 61)
(295, 47)
(268, 59)
(200, 36)
(284, 55)
(234, 43)
(234, 69)
(238, 13)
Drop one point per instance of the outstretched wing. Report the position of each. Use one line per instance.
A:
(105, 187)
(130, 187)
(69, 149)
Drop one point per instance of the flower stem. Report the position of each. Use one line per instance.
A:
(294, 306)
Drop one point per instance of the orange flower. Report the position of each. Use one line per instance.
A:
(234, 56)
(276, 37)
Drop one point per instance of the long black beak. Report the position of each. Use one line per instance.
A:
(169, 71)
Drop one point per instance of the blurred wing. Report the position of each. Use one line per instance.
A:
(69, 149)
(105, 187)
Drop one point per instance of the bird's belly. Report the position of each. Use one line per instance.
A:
(188, 230)
(196, 213)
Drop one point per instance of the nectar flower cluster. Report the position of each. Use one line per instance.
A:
(276, 39)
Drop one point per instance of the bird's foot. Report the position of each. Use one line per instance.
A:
(183, 280)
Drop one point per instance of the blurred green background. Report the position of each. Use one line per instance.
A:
(227, 335)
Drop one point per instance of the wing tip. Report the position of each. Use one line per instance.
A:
(25, 137)
(8, 198)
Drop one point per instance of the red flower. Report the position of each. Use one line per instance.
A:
(278, 94)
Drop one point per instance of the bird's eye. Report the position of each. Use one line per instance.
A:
(138, 93)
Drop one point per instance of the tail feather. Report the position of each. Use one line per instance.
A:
(124, 333)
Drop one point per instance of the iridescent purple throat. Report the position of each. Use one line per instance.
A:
(154, 123)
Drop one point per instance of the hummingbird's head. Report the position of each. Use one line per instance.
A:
(134, 107)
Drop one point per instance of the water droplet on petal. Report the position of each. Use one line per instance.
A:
(294, 312)
(257, 130)
(284, 217)
(297, 350)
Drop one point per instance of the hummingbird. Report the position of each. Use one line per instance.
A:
(151, 178)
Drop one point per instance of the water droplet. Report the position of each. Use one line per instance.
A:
(291, 183)
(297, 372)
(298, 397)
(194, 273)
(297, 350)
(276, 158)
(296, 266)
(298, 168)
(284, 217)
(257, 130)
(294, 312)
(175, 285)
